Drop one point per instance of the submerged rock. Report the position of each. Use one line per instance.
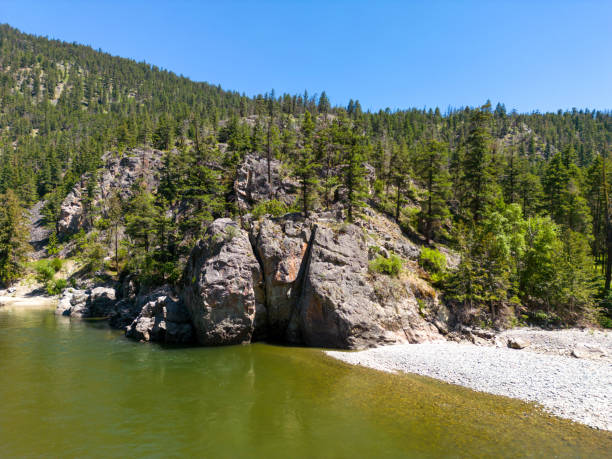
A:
(222, 286)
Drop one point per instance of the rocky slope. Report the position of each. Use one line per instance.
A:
(119, 174)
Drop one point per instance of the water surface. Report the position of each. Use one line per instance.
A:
(79, 389)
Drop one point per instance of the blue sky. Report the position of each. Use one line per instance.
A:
(530, 55)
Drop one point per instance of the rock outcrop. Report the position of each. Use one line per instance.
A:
(222, 286)
(119, 173)
(304, 281)
(289, 279)
(342, 305)
(251, 185)
(98, 302)
(163, 318)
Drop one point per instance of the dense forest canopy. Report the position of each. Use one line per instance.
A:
(524, 198)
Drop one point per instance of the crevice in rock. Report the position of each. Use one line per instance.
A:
(259, 334)
(293, 330)
(253, 240)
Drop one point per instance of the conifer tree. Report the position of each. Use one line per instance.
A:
(431, 167)
(13, 238)
(306, 166)
(478, 168)
(354, 172)
(141, 216)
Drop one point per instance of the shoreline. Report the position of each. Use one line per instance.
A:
(579, 389)
(27, 302)
(568, 387)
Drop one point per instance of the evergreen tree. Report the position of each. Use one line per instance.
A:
(13, 238)
(354, 172)
(306, 166)
(478, 167)
(400, 168)
(141, 217)
(431, 168)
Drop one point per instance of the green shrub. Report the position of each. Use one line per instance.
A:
(230, 233)
(56, 286)
(52, 246)
(391, 266)
(432, 261)
(274, 207)
(56, 264)
(604, 320)
(44, 271)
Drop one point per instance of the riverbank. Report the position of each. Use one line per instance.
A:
(27, 302)
(573, 388)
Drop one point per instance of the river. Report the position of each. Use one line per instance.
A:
(79, 389)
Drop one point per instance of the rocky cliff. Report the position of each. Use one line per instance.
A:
(303, 281)
(119, 174)
(288, 279)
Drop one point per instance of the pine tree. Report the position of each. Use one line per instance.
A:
(431, 168)
(115, 216)
(141, 216)
(354, 172)
(13, 238)
(306, 166)
(478, 167)
(324, 106)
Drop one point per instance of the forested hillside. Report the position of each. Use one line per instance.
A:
(523, 198)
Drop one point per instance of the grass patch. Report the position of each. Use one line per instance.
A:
(391, 266)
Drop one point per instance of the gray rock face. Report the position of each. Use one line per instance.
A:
(223, 286)
(71, 212)
(118, 173)
(387, 236)
(162, 318)
(281, 247)
(124, 312)
(251, 185)
(344, 306)
(98, 302)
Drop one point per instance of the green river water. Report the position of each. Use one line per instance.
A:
(78, 389)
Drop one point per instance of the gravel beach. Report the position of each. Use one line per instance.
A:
(579, 389)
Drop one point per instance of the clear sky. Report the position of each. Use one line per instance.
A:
(530, 55)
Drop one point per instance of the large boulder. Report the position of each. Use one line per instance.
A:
(281, 247)
(222, 286)
(342, 305)
(162, 318)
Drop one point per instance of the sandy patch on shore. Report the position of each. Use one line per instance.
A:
(27, 302)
